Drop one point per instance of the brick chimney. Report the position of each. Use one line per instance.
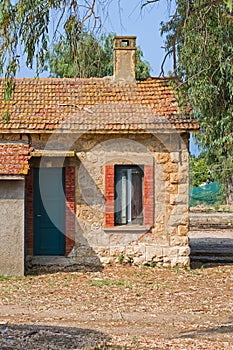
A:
(125, 58)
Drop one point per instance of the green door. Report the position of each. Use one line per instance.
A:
(49, 211)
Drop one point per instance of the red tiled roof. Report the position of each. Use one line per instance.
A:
(96, 104)
(14, 158)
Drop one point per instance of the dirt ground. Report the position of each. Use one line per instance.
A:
(122, 307)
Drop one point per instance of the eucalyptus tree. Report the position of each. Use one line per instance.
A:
(200, 37)
(29, 24)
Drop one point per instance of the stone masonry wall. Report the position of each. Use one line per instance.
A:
(165, 240)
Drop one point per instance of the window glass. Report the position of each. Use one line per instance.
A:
(128, 196)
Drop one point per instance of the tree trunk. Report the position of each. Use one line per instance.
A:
(229, 194)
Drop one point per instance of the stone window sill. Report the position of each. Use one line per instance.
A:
(134, 229)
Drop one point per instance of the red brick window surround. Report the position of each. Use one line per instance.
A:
(29, 212)
(70, 208)
(148, 195)
(109, 195)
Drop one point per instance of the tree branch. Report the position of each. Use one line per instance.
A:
(148, 2)
(189, 13)
(164, 60)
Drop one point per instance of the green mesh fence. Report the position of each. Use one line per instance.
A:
(204, 194)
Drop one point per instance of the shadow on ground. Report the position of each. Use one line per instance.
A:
(37, 337)
(226, 328)
(211, 251)
(43, 270)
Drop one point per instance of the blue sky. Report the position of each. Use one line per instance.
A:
(130, 19)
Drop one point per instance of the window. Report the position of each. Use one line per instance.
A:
(119, 210)
(128, 194)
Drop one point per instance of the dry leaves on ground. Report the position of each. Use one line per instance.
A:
(122, 307)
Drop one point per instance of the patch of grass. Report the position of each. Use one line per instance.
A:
(103, 282)
(109, 347)
(134, 340)
(100, 283)
(176, 268)
(128, 285)
(139, 293)
(121, 258)
(4, 278)
(119, 283)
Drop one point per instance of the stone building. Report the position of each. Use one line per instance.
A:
(94, 170)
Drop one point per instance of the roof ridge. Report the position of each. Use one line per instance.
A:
(106, 78)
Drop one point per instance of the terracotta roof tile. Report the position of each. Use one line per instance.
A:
(93, 104)
(14, 159)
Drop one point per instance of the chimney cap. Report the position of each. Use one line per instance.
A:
(125, 42)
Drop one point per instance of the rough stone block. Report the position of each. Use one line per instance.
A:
(161, 176)
(152, 252)
(183, 261)
(175, 157)
(170, 252)
(178, 199)
(119, 239)
(183, 230)
(172, 189)
(183, 189)
(184, 169)
(117, 251)
(160, 218)
(177, 220)
(170, 168)
(181, 210)
(184, 251)
(174, 178)
(179, 241)
(162, 158)
(185, 157)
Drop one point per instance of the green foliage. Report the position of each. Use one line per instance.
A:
(143, 68)
(200, 35)
(200, 172)
(86, 56)
(24, 22)
(229, 4)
